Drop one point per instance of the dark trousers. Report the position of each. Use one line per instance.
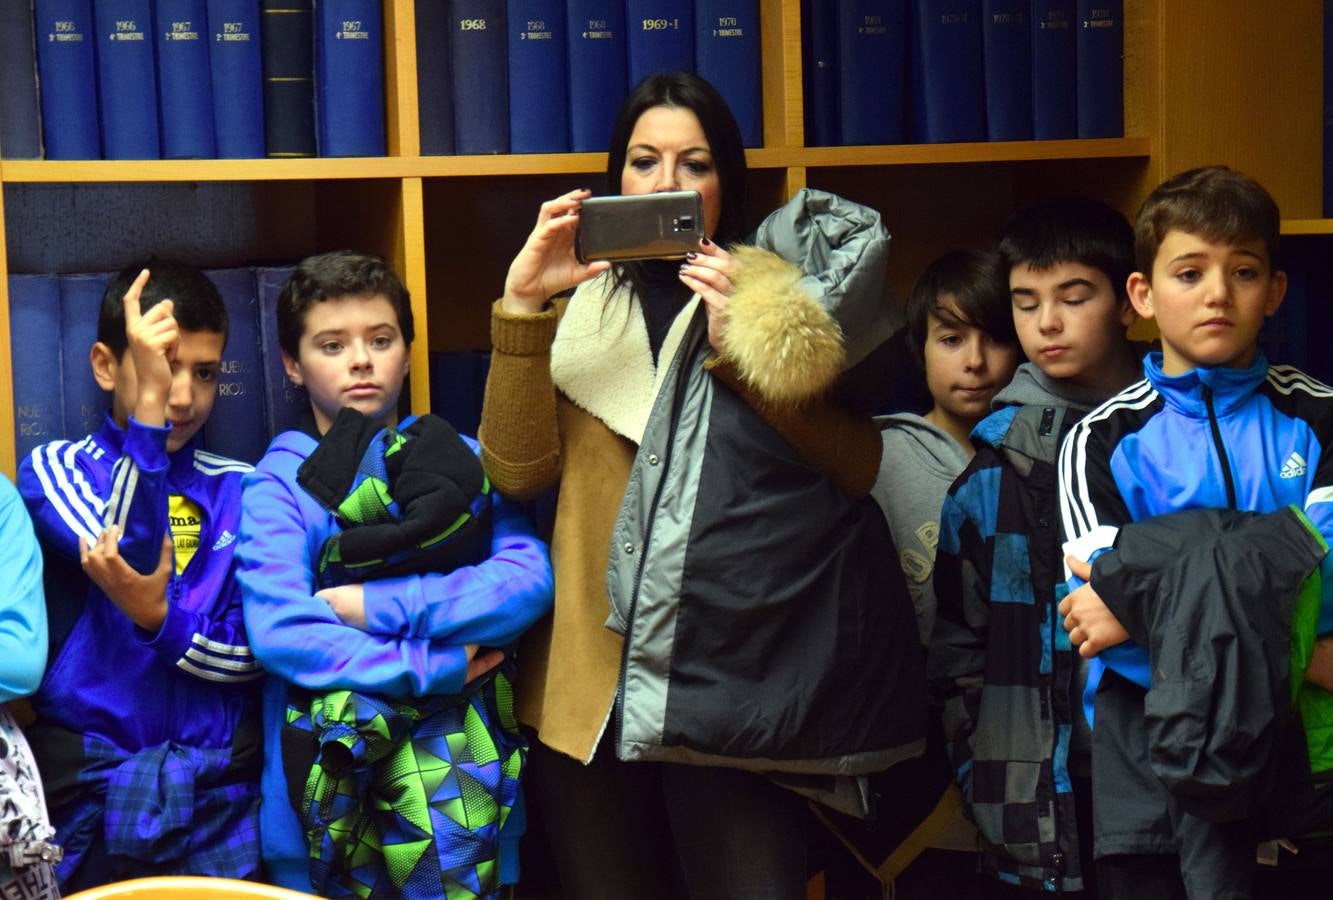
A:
(664, 830)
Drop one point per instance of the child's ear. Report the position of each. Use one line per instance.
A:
(1139, 289)
(104, 365)
(1277, 292)
(293, 370)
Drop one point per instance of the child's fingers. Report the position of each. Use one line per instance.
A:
(131, 300)
(1082, 570)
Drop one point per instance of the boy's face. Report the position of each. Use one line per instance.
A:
(1069, 320)
(965, 365)
(194, 383)
(351, 354)
(1209, 300)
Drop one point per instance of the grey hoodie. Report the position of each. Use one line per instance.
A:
(919, 462)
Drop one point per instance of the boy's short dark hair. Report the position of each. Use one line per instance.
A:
(1215, 203)
(196, 303)
(1071, 229)
(979, 287)
(342, 273)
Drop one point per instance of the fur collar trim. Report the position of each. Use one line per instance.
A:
(601, 361)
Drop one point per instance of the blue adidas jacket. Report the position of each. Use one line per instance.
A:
(1246, 439)
(193, 682)
(417, 624)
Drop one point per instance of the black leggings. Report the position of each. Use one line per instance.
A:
(638, 829)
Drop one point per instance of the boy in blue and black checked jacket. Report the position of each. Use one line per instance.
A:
(1001, 669)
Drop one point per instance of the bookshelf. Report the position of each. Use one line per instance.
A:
(1204, 82)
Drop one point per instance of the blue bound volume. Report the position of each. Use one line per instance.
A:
(238, 426)
(84, 401)
(660, 37)
(237, 61)
(34, 353)
(1006, 38)
(1054, 75)
(284, 403)
(819, 72)
(597, 71)
(287, 33)
(1328, 108)
(726, 54)
(184, 84)
(872, 67)
(948, 99)
(435, 99)
(127, 79)
(67, 74)
(538, 87)
(1100, 46)
(480, 76)
(20, 128)
(349, 78)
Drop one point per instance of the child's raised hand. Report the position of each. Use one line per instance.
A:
(152, 338)
(1091, 626)
(348, 602)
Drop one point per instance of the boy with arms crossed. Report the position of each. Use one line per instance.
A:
(146, 735)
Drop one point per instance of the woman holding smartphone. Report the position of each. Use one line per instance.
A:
(726, 605)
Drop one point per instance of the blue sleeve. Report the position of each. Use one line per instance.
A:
(297, 637)
(491, 603)
(208, 643)
(137, 502)
(64, 488)
(23, 609)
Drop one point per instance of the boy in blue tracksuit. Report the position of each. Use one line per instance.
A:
(1212, 426)
(146, 734)
(420, 647)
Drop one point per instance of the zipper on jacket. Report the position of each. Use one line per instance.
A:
(1221, 448)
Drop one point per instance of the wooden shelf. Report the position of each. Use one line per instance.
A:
(936, 154)
(1307, 226)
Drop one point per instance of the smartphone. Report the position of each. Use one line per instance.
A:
(639, 226)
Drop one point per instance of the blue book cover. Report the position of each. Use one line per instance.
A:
(1328, 107)
(284, 403)
(598, 70)
(819, 72)
(1099, 51)
(238, 426)
(1006, 38)
(349, 78)
(726, 54)
(184, 82)
(34, 353)
(480, 76)
(20, 127)
(872, 71)
(66, 72)
(127, 79)
(538, 85)
(660, 37)
(1054, 74)
(458, 386)
(287, 41)
(236, 60)
(84, 402)
(435, 98)
(947, 95)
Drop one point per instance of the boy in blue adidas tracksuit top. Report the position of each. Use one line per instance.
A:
(146, 735)
(345, 327)
(1212, 426)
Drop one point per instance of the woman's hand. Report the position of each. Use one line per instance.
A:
(546, 265)
(708, 272)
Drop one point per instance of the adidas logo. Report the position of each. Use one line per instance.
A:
(1294, 467)
(226, 539)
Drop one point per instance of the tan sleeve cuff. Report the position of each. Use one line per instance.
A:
(523, 334)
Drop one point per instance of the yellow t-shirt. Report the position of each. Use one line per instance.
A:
(186, 521)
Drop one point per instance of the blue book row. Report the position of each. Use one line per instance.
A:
(943, 71)
(191, 79)
(547, 76)
(57, 318)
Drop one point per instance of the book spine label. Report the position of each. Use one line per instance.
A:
(477, 50)
(236, 59)
(237, 425)
(1007, 46)
(349, 78)
(127, 79)
(185, 90)
(67, 73)
(538, 88)
(819, 72)
(597, 71)
(287, 44)
(872, 52)
(1099, 49)
(1054, 75)
(660, 37)
(948, 103)
(726, 53)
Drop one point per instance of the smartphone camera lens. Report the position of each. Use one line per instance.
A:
(685, 223)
